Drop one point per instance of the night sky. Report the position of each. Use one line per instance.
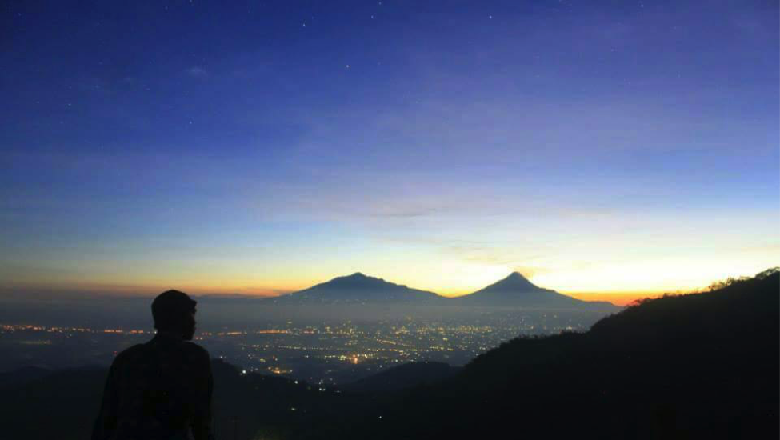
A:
(259, 147)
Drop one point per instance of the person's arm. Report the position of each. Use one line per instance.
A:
(106, 422)
(201, 424)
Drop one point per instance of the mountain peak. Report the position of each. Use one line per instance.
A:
(514, 281)
(515, 276)
(357, 278)
(514, 289)
(359, 288)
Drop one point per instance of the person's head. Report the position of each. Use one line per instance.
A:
(174, 313)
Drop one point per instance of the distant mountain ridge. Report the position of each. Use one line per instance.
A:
(513, 291)
(359, 288)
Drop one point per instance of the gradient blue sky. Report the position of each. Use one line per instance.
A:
(596, 146)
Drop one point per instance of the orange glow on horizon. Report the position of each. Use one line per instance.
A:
(620, 299)
(607, 282)
(617, 298)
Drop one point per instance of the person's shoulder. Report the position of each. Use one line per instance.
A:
(129, 353)
(196, 351)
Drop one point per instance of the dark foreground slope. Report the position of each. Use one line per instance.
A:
(402, 377)
(694, 366)
(63, 405)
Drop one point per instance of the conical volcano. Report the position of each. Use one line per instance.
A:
(515, 282)
(515, 290)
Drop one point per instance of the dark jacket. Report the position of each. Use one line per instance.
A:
(160, 390)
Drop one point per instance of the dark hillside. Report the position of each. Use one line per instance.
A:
(22, 375)
(692, 366)
(63, 406)
(403, 376)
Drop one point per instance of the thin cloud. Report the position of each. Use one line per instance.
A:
(197, 72)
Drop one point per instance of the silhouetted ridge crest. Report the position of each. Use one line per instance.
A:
(357, 280)
(359, 288)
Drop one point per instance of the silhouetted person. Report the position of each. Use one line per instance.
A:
(160, 390)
